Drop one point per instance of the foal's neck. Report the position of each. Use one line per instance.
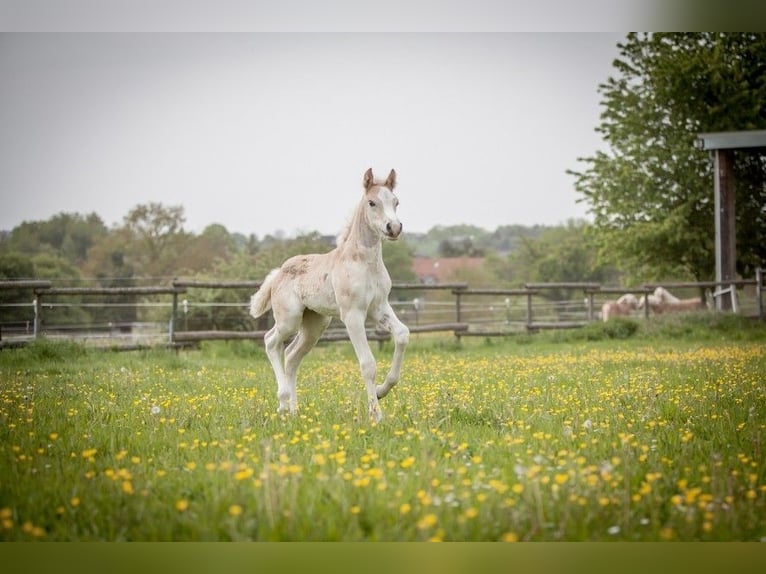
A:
(360, 236)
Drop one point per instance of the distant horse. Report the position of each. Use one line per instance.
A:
(662, 301)
(653, 301)
(623, 306)
(350, 282)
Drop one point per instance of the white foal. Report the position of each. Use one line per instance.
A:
(350, 282)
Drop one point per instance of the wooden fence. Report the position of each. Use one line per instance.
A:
(452, 307)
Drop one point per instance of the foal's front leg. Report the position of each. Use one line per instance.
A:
(388, 320)
(354, 321)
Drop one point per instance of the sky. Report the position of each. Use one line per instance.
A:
(270, 132)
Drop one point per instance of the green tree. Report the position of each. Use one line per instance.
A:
(651, 193)
(562, 254)
(67, 235)
(64, 310)
(397, 255)
(156, 239)
(16, 304)
(202, 253)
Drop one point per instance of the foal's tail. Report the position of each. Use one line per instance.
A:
(260, 302)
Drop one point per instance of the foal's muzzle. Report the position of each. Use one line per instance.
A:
(393, 230)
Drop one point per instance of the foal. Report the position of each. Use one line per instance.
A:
(350, 282)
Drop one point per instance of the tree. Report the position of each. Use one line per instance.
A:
(651, 193)
(562, 254)
(16, 304)
(200, 253)
(67, 235)
(156, 238)
(397, 256)
(66, 309)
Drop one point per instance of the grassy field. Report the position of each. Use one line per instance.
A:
(619, 432)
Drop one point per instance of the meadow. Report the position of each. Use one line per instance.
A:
(588, 436)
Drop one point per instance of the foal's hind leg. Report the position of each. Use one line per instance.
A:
(312, 328)
(274, 340)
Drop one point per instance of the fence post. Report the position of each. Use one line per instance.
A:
(529, 310)
(590, 306)
(759, 291)
(458, 311)
(646, 303)
(38, 306)
(173, 319)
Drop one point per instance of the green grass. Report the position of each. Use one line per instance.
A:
(610, 433)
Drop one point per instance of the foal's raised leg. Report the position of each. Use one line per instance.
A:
(354, 321)
(388, 320)
(312, 328)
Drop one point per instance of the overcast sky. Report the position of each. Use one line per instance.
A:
(272, 131)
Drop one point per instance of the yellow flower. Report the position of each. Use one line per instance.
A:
(243, 474)
(89, 453)
(471, 512)
(561, 478)
(75, 502)
(405, 508)
(235, 510)
(510, 537)
(127, 487)
(667, 533)
(407, 462)
(355, 509)
(428, 521)
(182, 505)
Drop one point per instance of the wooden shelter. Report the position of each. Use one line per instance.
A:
(722, 146)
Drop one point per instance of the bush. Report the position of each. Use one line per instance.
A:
(615, 329)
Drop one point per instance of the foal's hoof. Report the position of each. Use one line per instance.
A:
(376, 415)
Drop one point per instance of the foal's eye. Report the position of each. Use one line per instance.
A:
(372, 203)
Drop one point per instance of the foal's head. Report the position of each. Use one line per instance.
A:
(382, 204)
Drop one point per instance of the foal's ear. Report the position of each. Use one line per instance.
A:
(391, 180)
(368, 179)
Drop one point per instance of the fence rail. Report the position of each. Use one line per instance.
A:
(448, 307)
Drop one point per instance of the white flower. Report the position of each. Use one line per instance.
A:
(613, 530)
(588, 424)
(155, 410)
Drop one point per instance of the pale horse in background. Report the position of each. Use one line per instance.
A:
(662, 301)
(350, 282)
(622, 307)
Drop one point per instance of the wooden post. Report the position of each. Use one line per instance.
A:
(759, 291)
(458, 310)
(590, 306)
(173, 319)
(37, 325)
(646, 302)
(529, 310)
(725, 239)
